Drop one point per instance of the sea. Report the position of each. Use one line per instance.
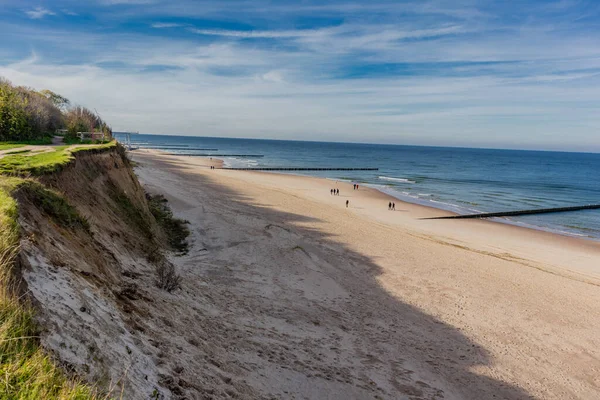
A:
(461, 180)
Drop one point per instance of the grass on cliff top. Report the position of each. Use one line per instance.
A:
(26, 372)
(8, 146)
(15, 145)
(44, 163)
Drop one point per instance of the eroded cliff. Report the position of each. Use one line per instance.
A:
(92, 260)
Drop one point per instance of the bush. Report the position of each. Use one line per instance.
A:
(167, 277)
(81, 119)
(175, 229)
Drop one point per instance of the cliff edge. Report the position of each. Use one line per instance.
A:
(90, 249)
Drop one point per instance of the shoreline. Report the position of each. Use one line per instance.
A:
(422, 202)
(572, 257)
(435, 211)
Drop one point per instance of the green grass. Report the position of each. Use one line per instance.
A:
(44, 163)
(44, 141)
(8, 146)
(26, 371)
(54, 205)
(127, 209)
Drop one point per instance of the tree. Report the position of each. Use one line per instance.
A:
(56, 99)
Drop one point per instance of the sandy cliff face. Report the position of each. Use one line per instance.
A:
(93, 282)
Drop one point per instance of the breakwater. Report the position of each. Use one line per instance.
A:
(301, 169)
(521, 212)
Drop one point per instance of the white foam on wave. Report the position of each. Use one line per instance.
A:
(403, 180)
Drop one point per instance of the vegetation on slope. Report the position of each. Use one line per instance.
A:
(176, 229)
(26, 372)
(54, 205)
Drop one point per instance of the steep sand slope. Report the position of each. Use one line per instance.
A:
(320, 301)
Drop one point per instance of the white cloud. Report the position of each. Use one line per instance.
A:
(39, 13)
(161, 25)
(262, 34)
(127, 2)
(273, 76)
(428, 110)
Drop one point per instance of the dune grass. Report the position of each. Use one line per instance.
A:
(26, 372)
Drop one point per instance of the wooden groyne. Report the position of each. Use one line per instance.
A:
(178, 148)
(217, 155)
(301, 169)
(162, 146)
(521, 212)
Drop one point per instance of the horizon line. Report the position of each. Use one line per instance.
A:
(371, 143)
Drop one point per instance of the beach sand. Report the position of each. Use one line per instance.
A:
(318, 301)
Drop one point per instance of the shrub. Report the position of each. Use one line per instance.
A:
(81, 119)
(175, 229)
(167, 277)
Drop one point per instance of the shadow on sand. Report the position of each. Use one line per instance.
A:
(423, 356)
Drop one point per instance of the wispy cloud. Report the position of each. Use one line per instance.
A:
(131, 2)
(162, 25)
(39, 13)
(260, 34)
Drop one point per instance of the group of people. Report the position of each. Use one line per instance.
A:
(212, 167)
(336, 192)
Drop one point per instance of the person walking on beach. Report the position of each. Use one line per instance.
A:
(394, 206)
(347, 202)
(390, 205)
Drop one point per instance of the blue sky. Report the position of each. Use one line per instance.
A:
(508, 74)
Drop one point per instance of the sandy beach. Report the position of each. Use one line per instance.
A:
(296, 296)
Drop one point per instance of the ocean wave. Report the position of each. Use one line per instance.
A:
(403, 180)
